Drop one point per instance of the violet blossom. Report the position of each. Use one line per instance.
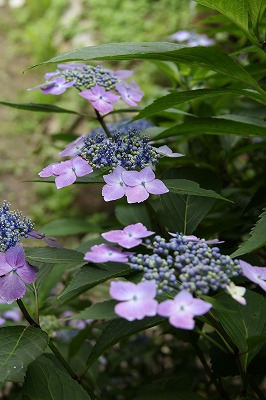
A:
(115, 187)
(254, 274)
(167, 152)
(103, 253)
(15, 273)
(140, 184)
(130, 93)
(129, 237)
(66, 172)
(74, 147)
(56, 86)
(137, 300)
(100, 99)
(182, 310)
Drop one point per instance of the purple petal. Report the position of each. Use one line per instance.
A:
(105, 253)
(115, 177)
(102, 106)
(112, 192)
(65, 179)
(62, 167)
(122, 73)
(138, 230)
(165, 308)
(81, 166)
(166, 151)
(74, 147)
(136, 194)
(132, 178)
(146, 289)
(156, 187)
(113, 236)
(5, 267)
(200, 307)
(122, 290)
(88, 95)
(147, 174)
(15, 256)
(134, 309)
(27, 273)
(182, 321)
(11, 287)
(48, 171)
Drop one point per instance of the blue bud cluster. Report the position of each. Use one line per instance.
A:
(124, 127)
(13, 225)
(130, 151)
(88, 76)
(183, 264)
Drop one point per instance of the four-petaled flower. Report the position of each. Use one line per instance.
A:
(129, 237)
(66, 172)
(100, 99)
(57, 86)
(103, 253)
(15, 272)
(137, 300)
(130, 93)
(140, 184)
(182, 309)
(254, 274)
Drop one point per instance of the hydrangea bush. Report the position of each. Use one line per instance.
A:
(172, 286)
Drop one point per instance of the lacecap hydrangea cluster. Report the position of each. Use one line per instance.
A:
(13, 226)
(182, 264)
(130, 150)
(100, 86)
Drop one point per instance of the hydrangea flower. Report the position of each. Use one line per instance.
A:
(136, 185)
(140, 184)
(182, 310)
(94, 83)
(191, 38)
(104, 253)
(100, 99)
(74, 147)
(129, 237)
(237, 293)
(66, 172)
(15, 274)
(137, 300)
(254, 274)
(167, 152)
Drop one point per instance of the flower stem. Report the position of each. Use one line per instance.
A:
(102, 122)
(56, 352)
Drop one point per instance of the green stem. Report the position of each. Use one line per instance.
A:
(243, 375)
(219, 386)
(102, 122)
(36, 304)
(51, 345)
(203, 334)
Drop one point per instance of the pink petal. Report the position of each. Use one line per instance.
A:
(88, 95)
(48, 171)
(147, 174)
(146, 289)
(113, 236)
(111, 97)
(11, 287)
(115, 177)
(136, 194)
(182, 321)
(165, 308)
(128, 242)
(156, 187)
(5, 267)
(138, 230)
(132, 178)
(200, 307)
(65, 179)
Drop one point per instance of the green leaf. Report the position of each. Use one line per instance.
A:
(92, 275)
(235, 10)
(132, 214)
(45, 381)
(53, 255)
(39, 107)
(257, 238)
(176, 98)
(117, 330)
(211, 58)
(169, 395)
(256, 10)
(214, 126)
(19, 346)
(185, 186)
(68, 226)
(103, 310)
(255, 341)
(250, 321)
(182, 212)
